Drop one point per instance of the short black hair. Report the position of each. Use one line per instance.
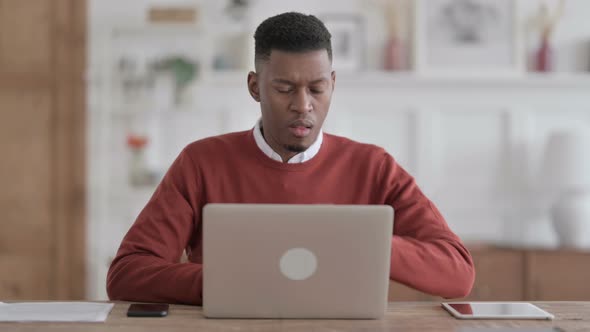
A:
(291, 32)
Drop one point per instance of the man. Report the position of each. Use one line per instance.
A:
(286, 158)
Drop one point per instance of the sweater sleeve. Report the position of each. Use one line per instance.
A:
(425, 253)
(146, 267)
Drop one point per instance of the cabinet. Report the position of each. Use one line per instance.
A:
(558, 275)
(499, 274)
(504, 274)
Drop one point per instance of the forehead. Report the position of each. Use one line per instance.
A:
(298, 65)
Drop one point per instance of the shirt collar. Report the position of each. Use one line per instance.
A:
(298, 158)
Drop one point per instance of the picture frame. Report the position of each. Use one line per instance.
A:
(348, 41)
(467, 38)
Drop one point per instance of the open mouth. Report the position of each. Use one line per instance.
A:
(300, 132)
(301, 128)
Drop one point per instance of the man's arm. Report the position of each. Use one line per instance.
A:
(425, 253)
(147, 266)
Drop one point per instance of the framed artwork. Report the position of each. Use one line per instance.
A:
(348, 41)
(467, 38)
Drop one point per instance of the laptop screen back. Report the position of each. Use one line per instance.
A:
(296, 261)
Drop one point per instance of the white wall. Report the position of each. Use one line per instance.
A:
(474, 145)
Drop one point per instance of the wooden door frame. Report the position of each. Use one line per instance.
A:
(69, 148)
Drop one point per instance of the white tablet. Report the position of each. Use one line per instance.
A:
(496, 310)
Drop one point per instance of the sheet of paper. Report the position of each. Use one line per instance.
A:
(54, 311)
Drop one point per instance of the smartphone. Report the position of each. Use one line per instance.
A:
(147, 310)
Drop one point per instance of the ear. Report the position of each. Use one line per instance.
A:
(333, 79)
(253, 86)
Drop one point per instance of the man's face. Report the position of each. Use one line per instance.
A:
(294, 91)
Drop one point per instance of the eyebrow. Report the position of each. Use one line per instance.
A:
(284, 81)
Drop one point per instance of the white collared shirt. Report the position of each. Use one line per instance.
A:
(298, 158)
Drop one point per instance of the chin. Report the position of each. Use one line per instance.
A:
(297, 148)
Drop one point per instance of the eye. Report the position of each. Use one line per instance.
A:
(316, 91)
(283, 90)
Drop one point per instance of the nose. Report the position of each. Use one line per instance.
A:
(301, 102)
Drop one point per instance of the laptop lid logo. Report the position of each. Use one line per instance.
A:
(298, 264)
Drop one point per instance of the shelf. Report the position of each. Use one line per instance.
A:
(121, 112)
(410, 79)
(222, 83)
(533, 80)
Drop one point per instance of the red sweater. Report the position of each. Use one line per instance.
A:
(425, 253)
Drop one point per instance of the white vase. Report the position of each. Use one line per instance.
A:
(571, 219)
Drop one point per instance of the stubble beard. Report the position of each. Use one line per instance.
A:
(295, 148)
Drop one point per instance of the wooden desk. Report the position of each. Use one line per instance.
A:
(401, 316)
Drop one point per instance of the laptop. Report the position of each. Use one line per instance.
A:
(296, 261)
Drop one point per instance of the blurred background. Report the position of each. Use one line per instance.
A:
(486, 103)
